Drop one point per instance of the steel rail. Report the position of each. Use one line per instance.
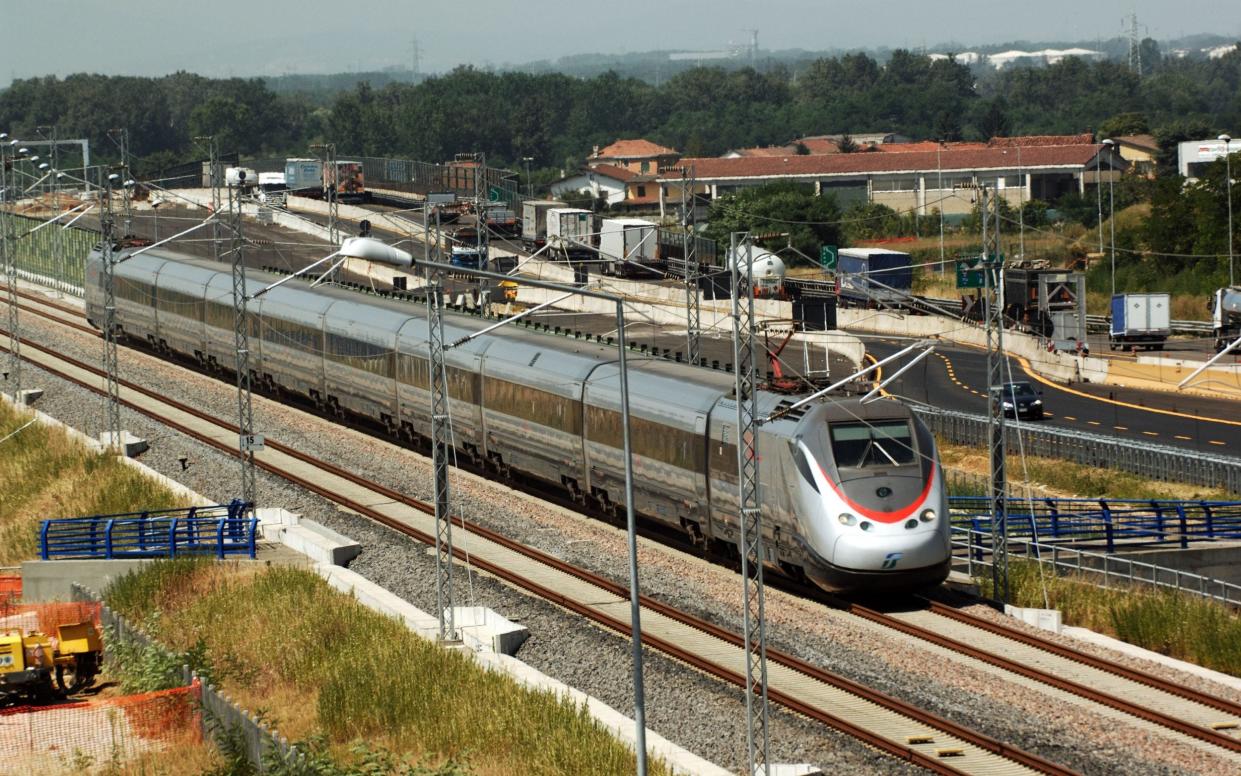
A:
(1208, 735)
(621, 626)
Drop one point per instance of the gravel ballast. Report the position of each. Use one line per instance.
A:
(689, 708)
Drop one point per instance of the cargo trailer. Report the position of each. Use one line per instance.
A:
(534, 221)
(874, 276)
(625, 240)
(1140, 319)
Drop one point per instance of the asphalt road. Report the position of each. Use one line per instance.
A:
(954, 377)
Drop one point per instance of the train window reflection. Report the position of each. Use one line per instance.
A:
(880, 443)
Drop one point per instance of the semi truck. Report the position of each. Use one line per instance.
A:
(534, 221)
(569, 230)
(1225, 308)
(1140, 319)
(874, 276)
(624, 240)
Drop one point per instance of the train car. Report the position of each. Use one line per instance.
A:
(853, 497)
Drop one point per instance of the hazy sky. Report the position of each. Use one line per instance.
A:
(271, 37)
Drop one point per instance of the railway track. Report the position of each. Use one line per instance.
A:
(1200, 716)
(888, 724)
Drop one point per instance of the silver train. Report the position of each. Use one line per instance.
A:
(853, 495)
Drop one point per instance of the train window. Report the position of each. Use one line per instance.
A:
(879, 443)
(359, 354)
(649, 439)
(803, 466)
(542, 407)
(413, 370)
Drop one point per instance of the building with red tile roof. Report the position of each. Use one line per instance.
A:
(637, 155)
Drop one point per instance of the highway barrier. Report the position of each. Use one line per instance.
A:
(1157, 462)
(217, 530)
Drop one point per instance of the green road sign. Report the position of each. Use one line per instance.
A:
(968, 276)
(494, 194)
(827, 256)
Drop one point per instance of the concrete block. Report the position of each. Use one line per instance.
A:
(321, 546)
(130, 445)
(52, 580)
(1043, 619)
(484, 630)
(28, 396)
(276, 516)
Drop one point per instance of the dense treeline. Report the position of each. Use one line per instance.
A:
(557, 118)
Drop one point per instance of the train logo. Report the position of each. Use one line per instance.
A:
(891, 559)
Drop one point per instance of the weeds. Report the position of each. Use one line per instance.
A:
(336, 674)
(1186, 627)
(44, 474)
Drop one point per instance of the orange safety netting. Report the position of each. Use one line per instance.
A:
(105, 732)
(45, 617)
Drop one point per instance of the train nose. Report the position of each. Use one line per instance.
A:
(889, 550)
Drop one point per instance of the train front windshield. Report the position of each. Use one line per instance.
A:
(879, 443)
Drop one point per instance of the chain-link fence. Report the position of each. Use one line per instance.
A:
(52, 256)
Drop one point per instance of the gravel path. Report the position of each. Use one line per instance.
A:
(693, 710)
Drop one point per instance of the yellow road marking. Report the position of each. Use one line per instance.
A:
(1025, 364)
(1180, 436)
(1126, 428)
(1094, 423)
(1069, 417)
(1151, 433)
(1217, 442)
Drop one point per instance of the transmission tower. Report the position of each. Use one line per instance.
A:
(439, 454)
(1135, 45)
(121, 138)
(693, 297)
(992, 263)
(112, 402)
(247, 441)
(217, 180)
(480, 204)
(754, 620)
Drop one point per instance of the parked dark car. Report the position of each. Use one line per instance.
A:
(1020, 400)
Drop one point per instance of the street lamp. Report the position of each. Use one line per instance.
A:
(939, 172)
(1111, 207)
(1228, 195)
(529, 182)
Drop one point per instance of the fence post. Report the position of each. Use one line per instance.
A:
(107, 539)
(1159, 520)
(43, 539)
(1184, 523)
(1210, 519)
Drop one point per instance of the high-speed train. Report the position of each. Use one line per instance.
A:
(853, 496)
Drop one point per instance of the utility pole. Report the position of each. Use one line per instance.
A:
(693, 297)
(121, 138)
(439, 455)
(112, 402)
(247, 442)
(992, 263)
(480, 205)
(331, 184)
(8, 251)
(754, 626)
(217, 178)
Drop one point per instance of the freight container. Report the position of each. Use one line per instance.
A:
(304, 176)
(872, 276)
(534, 220)
(1140, 319)
(569, 230)
(627, 240)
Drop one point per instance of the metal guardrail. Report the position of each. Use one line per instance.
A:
(972, 554)
(218, 530)
(1096, 323)
(1108, 520)
(1157, 462)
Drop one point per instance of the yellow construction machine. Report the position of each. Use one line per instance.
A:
(40, 668)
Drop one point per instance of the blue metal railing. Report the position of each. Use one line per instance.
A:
(1106, 520)
(221, 530)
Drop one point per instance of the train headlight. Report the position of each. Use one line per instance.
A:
(847, 519)
(911, 524)
(865, 526)
(927, 516)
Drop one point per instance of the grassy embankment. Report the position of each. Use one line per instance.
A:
(324, 669)
(44, 473)
(1182, 626)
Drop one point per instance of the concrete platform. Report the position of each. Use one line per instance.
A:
(130, 445)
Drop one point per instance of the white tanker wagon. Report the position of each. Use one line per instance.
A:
(768, 269)
(1225, 306)
(853, 495)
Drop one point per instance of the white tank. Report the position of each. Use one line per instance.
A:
(769, 269)
(373, 250)
(233, 176)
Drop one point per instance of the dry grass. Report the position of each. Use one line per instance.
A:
(347, 673)
(1062, 478)
(45, 474)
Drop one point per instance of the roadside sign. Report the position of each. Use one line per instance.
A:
(969, 276)
(495, 194)
(252, 443)
(827, 256)
(441, 198)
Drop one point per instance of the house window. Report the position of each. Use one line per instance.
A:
(646, 167)
(642, 191)
(895, 184)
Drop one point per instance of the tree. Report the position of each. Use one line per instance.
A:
(846, 144)
(791, 210)
(994, 120)
(1121, 124)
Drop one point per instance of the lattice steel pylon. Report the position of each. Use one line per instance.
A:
(481, 197)
(246, 440)
(754, 623)
(112, 398)
(8, 246)
(693, 296)
(993, 293)
(440, 450)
